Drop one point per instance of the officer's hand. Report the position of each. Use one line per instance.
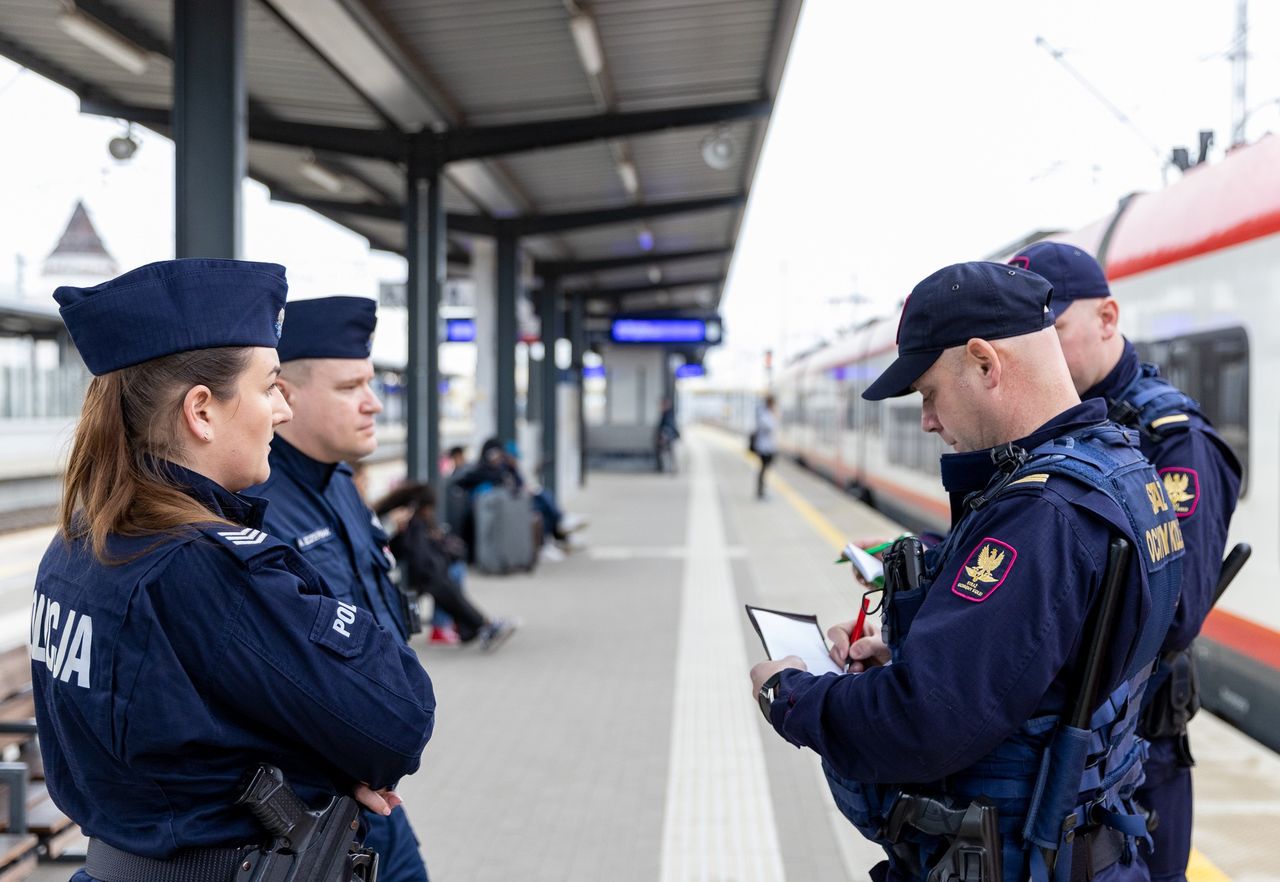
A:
(867, 650)
(379, 801)
(767, 669)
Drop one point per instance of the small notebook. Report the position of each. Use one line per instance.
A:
(784, 633)
(870, 568)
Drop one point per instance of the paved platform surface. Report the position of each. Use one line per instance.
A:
(614, 737)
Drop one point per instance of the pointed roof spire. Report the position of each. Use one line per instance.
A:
(80, 251)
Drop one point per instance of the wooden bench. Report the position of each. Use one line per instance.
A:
(31, 826)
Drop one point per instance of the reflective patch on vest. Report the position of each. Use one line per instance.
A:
(1183, 487)
(305, 542)
(1172, 418)
(247, 536)
(985, 570)
(1038, 478)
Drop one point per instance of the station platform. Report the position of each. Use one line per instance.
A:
(615, 736)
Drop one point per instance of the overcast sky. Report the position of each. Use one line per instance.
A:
(909, 135)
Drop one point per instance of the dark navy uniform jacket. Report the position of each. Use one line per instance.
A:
(316, 507)
(1202, 477)
(973, 672)
(161, 680)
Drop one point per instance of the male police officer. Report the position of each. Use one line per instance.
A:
(989, 643)
(1202, 477)
(325, 375)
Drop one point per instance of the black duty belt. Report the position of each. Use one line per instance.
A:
(1093, 852)
(110, 864)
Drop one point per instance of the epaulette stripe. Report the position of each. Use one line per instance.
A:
(1038, 478)
(1172, 418)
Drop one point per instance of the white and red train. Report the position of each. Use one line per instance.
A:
(1196, 270)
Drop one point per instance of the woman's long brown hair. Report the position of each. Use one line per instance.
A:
(116, 479)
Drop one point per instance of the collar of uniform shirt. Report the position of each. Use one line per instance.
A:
(966, 472)
(312, 472)
(247, 510)
(1121, 375)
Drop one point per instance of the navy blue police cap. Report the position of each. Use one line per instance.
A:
(329, 327)
(1072, 272)
(174, 306)
(989, 301)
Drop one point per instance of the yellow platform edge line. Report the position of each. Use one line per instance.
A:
(1199, 867)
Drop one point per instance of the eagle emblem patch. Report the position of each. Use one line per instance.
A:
(985, 570)
(1183, 487)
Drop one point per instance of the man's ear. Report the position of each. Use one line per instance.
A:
(983, 356)
(288, 389)
(1109, 317)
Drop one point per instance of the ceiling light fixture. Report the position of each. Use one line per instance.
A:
(93, 34)
(122, 147)
(319, 175)
(718, 150)
(630, 178)
(587, 41)
(655, 274)
(644, 236)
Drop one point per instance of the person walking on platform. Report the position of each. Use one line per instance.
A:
(176, 646)
(325, 372)
(1202, 477)
(1000, 743)
(764, 442)
(665, 437)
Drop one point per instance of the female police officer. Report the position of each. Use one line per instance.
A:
(174, 645)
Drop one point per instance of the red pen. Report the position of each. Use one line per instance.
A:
(856, 634)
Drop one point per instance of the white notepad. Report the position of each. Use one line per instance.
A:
(784, 633)
(867, 566)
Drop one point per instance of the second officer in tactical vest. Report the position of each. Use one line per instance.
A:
(325, 377)
(1202, 477)
(1000, 742)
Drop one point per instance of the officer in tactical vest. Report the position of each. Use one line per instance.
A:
(315, 506)
(1202, 477)
(1000, 742)
(174, 644)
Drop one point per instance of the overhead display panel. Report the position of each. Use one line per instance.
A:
(665, 331)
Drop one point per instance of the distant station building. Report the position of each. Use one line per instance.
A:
(79, 258)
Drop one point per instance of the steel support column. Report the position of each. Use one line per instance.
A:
(508, 294)
(549, 307)
(425, 250)
(578, 337)
(209, 126)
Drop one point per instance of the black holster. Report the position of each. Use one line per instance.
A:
(1173, 703)
(972, 835)
(308, 845)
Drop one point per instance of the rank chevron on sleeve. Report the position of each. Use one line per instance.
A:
(247, 536)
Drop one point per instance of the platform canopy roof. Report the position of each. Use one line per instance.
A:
(582, 124)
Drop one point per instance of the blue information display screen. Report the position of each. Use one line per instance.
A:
(460, 330)
(672, 330)
(690, 370)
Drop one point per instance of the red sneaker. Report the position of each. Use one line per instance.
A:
(444, 637)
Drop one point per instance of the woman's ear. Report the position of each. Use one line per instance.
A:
(197, 413)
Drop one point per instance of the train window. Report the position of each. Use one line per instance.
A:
(1213, 368)
(908, 446)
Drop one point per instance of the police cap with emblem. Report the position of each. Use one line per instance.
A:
(951, 307)
(174, 306)
(329, 327)
(1072, 272)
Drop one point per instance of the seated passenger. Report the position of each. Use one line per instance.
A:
(435, 563)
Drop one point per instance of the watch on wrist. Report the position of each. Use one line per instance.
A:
(768, 692)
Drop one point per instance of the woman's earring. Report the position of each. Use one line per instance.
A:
(206, 436)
